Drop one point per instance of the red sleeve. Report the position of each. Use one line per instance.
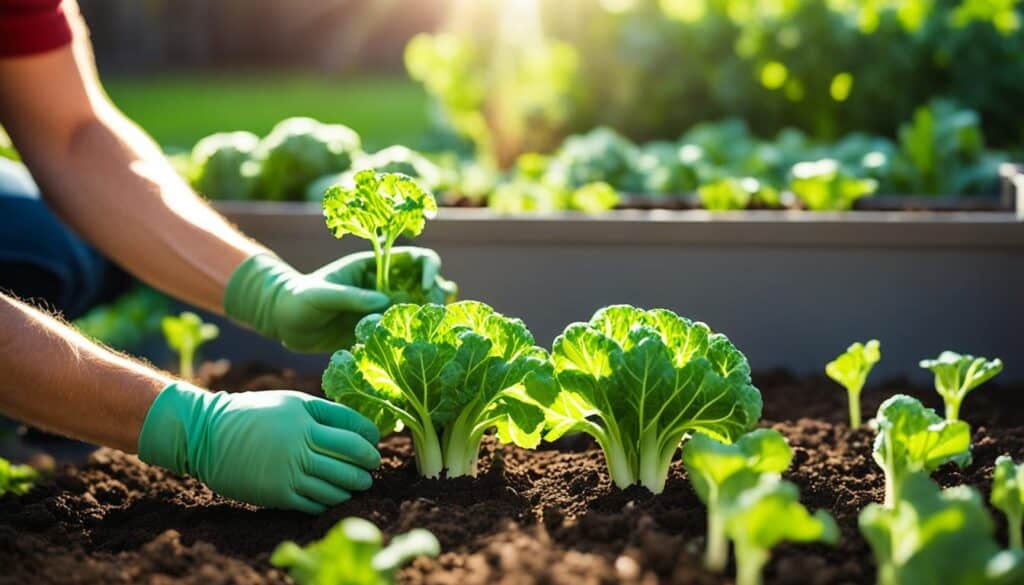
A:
(32, 26)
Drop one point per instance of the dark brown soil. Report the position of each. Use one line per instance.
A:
(546, 516)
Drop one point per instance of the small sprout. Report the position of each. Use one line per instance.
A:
(851, 370)
(1008, 496)
(956, 375)
(720, 473)
(913, 438)
(184, 334)
(768, 514)
(728, 194)
(379, 208)
(932, 536)
(351, 554)
(16, 479)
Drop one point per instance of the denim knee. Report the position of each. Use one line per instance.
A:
(41, 258)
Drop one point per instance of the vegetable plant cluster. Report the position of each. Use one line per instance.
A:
(723, 165)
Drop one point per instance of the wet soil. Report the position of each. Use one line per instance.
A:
(549, 516)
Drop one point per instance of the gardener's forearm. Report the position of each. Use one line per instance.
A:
(108, 181)
(127, 200)
(57, 380)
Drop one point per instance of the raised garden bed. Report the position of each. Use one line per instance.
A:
(547, 516)
(790, 288)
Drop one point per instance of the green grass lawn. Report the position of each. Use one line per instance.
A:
(179, 109)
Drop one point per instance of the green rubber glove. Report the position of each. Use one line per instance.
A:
(276, 448)
(316, 312)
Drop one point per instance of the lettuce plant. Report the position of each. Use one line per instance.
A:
(379, 208)
(638, 382)
(767, 514)
(727, 194)
(223, 165)
(351, 553)
(825, 186)
(720, 472)
(1008, 496)
(851, 370)
(937, 537)
(913, 438)
(299, 150)
(956, 375)
(184, 334)
(448, 374)
(16, 479)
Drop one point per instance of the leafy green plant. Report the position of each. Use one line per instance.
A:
(379, 208)
(448, 374)
(956, 375)
(727, 194)
(184, 334)
(824, 186)
(352, 553)
(913, 438)
(222, 165)
(594, 198)
(16, 479)
(126, 322)
(299, 150)
(930, 536)
(639, 381)
(851, 369)
(1008, 496)
(767, 514)
(721, 472)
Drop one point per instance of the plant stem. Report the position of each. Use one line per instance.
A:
(185, 364)
(618, 464)
(382, 281)
(890, 489)
(749, 562)
(716, 554)
(1013, 528)
(386, 269)
(854, 410)
(952, 410)
(428, 451)
(650, 463)
(460, 449)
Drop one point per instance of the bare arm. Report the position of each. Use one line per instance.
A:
(106, 179)
(80, 389)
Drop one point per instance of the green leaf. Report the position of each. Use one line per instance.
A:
(594, 197)
(727, 194)
(937, 537)
(913, 438)
(1008, 496)
(223, 167)
(449, 374)
(851, 370)
(767, 514)
(956, 375)
(184, 334)
(351, 554)
(638, 381)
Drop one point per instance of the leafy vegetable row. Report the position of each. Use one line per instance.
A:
(941, 151)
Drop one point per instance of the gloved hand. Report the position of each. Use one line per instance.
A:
(278, 448)
(316, 312)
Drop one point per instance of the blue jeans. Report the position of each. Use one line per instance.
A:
(41, 259)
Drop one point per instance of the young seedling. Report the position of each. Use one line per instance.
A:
(351, 554)
(825, 186)
(638, 382)
(448, 374)
(16, 479)
(956, 375)
(851, 370)
(184, 334)
(379, 208)
(934, 537)
(767, 514)
(720, 473)
(913, 438)
(1008, 496)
